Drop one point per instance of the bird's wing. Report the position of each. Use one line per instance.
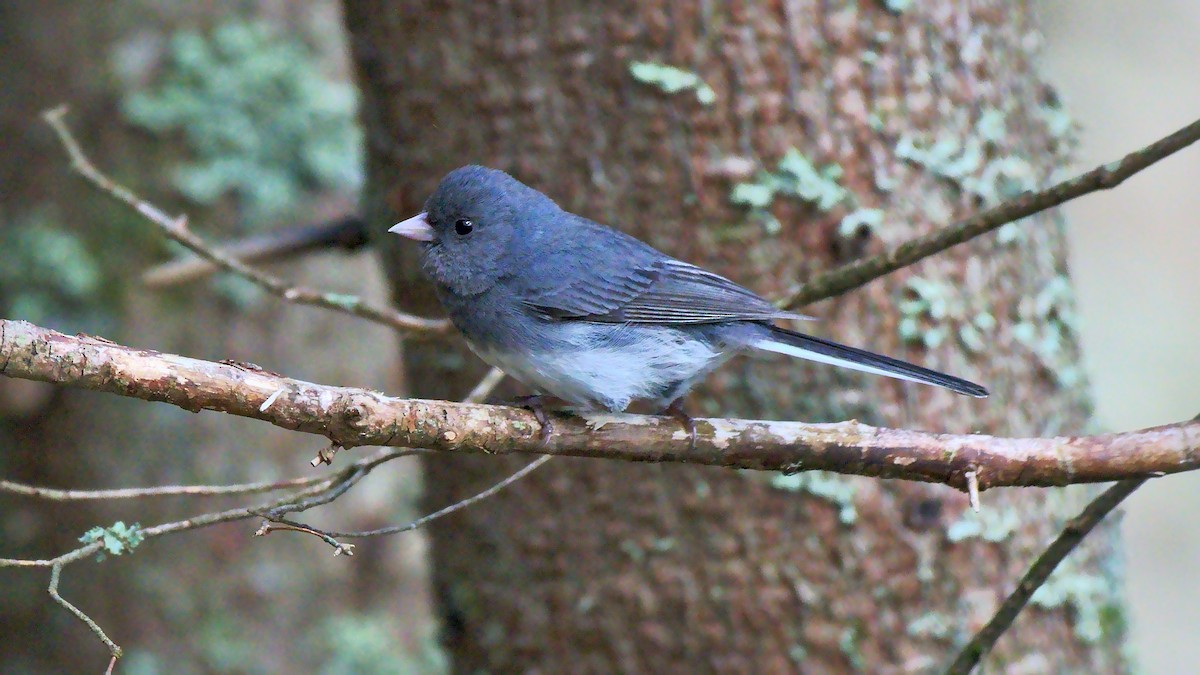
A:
(661, 290)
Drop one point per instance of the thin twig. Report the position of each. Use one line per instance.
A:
(113, 648)
(973, 489)
(1104, 177)
(1073, 533)
(348, 233)
(270, 526)
(456, 506)
(328, 483)
(275, 521)
(486, 385)
(53, 494)
(177, 230)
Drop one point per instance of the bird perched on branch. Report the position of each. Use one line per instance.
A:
(593, 316)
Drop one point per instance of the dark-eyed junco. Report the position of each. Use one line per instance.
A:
(592, 316)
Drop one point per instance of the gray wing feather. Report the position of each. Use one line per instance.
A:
(663, 290)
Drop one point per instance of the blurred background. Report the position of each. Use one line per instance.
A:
(166, 97)
(1128, 74)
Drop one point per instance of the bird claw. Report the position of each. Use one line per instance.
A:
(536, 404)
(689, 424)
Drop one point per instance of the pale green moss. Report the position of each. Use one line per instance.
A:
(965, 162)
(831, 487)
(797, 653)
(992, 126)
(116, 539)
(361, 643)
(932, 311)
(1093, 599)
(933, 625)
(991, 524)
(860, 220)
(850, 645)
(1057, 120)
(795, 176)
(260, 118)
(1047, 325)
(672, 80)
(48, 274)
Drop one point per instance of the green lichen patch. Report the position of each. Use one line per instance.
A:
(48, 274)
(116, 539)
(991, 524)
(1094, 601)
(260, 118)
(795, 176)
(1047, 324)
(972, 163)
(933, 625)
(367, 643)
(859, 221)
(897, 6)
(831, 487)
(934, 311)
(672, 80)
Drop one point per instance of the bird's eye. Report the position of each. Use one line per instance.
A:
(463, 226)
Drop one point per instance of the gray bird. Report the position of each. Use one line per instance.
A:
(592, 316)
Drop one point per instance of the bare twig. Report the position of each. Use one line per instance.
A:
(973, 489)
(56, 564)
(348, 233)
(457, 506)
(52, 494)
(329, 536)
(330, 483)
(486, 385)
(1104, 177)
(271, 525)
(1074, 532)
(113, 648)
(176, 229)
(480, 392)
(355, 417)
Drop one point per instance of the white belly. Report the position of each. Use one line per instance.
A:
(658, 369)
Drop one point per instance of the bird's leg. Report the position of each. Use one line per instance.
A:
(536, 403)
(675, 409)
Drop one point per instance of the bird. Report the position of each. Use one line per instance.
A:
(592, 318)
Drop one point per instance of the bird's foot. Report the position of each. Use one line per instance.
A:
(689, 425)
(536, 404)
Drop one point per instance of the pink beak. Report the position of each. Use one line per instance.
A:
(414, 228)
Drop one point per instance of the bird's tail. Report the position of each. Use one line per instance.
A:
(802, 346)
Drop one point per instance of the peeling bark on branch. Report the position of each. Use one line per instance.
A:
(355, 417)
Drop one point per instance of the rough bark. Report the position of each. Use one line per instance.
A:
(594, 567)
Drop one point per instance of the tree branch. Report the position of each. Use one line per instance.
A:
(352, 417)
(1105, 177)
(329, 483)
(56, 495)
(113, 648)
(177, 230)
(1074, 532)
(348, 233)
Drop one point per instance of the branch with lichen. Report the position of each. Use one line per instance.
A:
(177, 230)
(351, 417)
(1104, 177)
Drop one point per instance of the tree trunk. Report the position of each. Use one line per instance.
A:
(931, 112)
